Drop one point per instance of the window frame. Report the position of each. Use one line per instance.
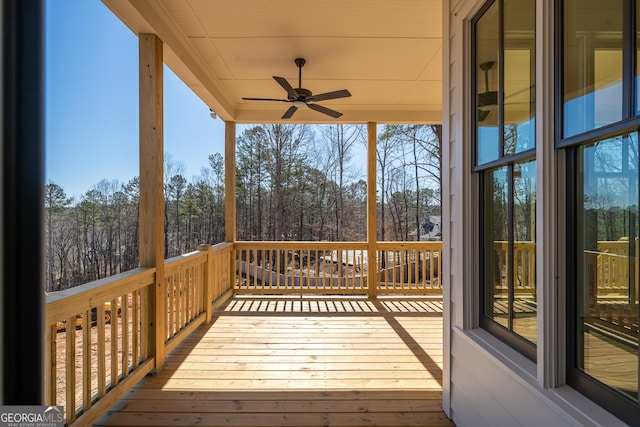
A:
(619, 404)
(507, 335)
(629, 119)
(601, 393)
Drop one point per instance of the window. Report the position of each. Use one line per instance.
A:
(598, 103)
(504, 147)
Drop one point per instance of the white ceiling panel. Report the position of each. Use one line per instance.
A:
(386, 53)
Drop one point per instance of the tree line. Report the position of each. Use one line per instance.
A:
(293, 182)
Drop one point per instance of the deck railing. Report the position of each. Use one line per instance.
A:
(409, 267)
(98, 337)
(612, 269)
(337, 267)
(610, 264)
(97, 344)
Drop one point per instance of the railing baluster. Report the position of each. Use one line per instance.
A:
(417, 256)
(254, 268)
(423, 269)
(178, 292)
(182, 280)
(52, 356)
(347, 269)
(144, 324)
(195, 294)
(125, 334)
(260, 261)
(361, 263)
(188, 280)
(86, 359)
(100, 344)
(319, 269)
(114, 348)
(70, 368)
(135, 327)
(384, 268)
(175, 288)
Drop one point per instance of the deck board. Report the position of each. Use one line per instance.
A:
(324, 362)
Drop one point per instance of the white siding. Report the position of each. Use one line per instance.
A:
(485, 383)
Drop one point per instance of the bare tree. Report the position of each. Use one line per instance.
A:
(55, 201)
(174, 185)
(341, 139)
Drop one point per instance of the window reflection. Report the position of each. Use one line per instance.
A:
(496, 241)
(607, 283)
(510, 249)
(487, 72)
(524, 250)
(592, 74)
(519, 76)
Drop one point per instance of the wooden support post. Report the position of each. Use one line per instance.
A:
(151, 187)
(230, 196)
(208, 282)
(372, 216)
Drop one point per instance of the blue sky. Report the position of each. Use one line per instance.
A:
(91, 102)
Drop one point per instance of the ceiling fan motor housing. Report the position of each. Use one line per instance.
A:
(302, 93)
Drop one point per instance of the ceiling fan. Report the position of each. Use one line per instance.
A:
(487, 100)
(301, 97)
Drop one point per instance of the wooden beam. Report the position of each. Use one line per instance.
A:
(151, 185)
(230, 195)
(372, 215)
(230, 182)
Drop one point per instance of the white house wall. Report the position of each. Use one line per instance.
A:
(486, 383)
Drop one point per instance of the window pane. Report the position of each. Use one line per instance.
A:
(519, 75)
(486, 69)
(524, 250)
(496, 246)
(607, 286)
(592, 64)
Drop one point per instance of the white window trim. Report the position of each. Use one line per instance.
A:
(547, 377)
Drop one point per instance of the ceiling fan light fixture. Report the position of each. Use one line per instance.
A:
(299, 104)
(488, 101)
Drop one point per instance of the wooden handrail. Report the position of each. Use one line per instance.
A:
(89, 315)
(62, 304)
(262, 245)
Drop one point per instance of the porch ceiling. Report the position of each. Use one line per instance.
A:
(388, 54)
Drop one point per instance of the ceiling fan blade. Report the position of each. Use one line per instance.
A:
(285, 84)
(325, 110)
(287, 114)
(266, 99)
(330, 95)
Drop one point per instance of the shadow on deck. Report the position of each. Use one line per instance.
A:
(316, 361)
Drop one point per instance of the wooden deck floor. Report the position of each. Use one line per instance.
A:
(293, 362)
